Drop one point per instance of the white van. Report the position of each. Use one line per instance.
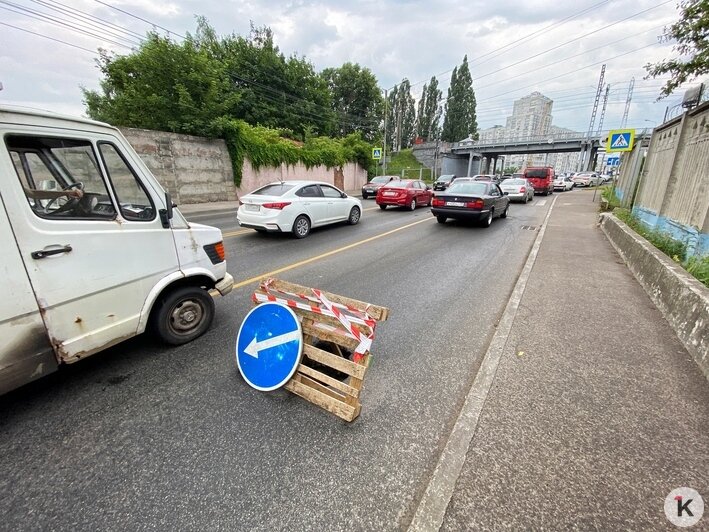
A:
(82, 271)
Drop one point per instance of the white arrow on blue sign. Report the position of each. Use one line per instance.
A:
(269, 346)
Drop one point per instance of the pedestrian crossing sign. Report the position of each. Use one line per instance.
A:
(620, 140)
(376, 153)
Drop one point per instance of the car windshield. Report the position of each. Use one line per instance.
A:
(381, 179)
(275, 189)
(514, 182)
(537, 173)
(445, 178)
(517, 175)
(468, 187)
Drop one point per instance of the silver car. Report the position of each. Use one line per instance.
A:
(518, 189)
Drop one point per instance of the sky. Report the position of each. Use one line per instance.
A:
(514, 47)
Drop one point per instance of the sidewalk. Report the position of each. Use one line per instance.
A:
(596, 411)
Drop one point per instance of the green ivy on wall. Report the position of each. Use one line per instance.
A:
(265, 147)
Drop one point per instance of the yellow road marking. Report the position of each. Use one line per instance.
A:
(328, 254)
(235, 233)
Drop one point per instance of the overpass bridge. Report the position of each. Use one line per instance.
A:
(482, 155)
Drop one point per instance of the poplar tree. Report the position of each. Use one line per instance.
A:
(460, 120)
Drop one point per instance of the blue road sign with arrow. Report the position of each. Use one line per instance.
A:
(269, 346)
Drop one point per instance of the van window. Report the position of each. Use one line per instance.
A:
(51, 169)
(542, 172)
(133, 200)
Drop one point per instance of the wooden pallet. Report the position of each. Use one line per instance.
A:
(315, 379)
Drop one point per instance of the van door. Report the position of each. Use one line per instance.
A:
(91, 261)
(25, 351)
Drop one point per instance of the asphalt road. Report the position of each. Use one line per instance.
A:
(148, 437)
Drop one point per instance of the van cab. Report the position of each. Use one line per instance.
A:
(93, 250)
(541, 178)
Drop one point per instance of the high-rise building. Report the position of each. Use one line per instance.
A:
(531, 117)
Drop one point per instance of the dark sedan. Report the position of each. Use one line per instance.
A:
(370, 189)
(443, 182)
(467, 199)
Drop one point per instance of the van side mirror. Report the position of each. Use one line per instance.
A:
(166, 213)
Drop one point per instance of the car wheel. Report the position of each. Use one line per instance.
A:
(526, 199)
(301, 226)
(183, 315)
(441, 219)
(412, 205)
(354, 216)
(504, 213)
(364, 196)
(382, 206)
(487, 222)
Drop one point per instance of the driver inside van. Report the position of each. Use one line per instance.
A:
(52, 194)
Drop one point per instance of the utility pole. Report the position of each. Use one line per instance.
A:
(384, 148)
(627, 104)
(582, 155)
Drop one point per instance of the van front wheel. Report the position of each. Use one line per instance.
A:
(184, 314)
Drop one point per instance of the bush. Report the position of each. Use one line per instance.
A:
(611, 201)
(675, 249)
(266, 147)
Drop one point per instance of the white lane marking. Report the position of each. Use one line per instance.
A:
(541, 203)
(433, 505)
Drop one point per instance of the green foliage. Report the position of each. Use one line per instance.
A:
(699, 267)
(691, 32)
(460, 120)
(164, 86)
(662, 240)
(429, 111)
(401, 160)
(356, 99)
(611, 201)
(401, 117)
(265, 147)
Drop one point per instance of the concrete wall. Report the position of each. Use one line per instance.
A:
(682, 300)
(673, 194)
(198, 170)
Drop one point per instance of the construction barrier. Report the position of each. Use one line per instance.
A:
(337, 335)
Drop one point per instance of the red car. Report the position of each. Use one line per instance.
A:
(409, 193)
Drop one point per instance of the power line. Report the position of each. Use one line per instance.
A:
(50, 38)
(25, 11)
(140, 18)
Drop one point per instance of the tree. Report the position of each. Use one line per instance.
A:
(401, 116)
(356, 99)
(460, 120)
(429, 111)
(164, 85)
(691, 32)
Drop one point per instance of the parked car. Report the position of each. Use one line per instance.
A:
(586, 179)
(468, 199)
(605, 178)
(563, 183)
(409, 193)
(541, 178)
(443, 181)
(297, 206)
(370, 189)
(518, 190)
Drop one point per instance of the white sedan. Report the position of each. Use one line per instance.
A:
(297, 206)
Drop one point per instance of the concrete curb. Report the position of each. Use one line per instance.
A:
(682, 300)
(432, 507)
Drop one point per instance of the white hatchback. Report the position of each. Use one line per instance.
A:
(297, 206)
